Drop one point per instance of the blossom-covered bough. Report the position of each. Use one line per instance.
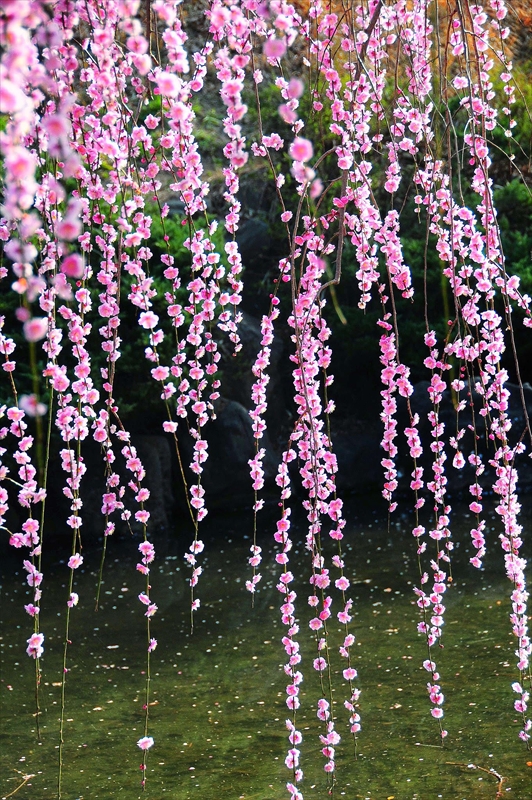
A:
(97, 102)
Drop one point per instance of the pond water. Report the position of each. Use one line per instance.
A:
(218, 694)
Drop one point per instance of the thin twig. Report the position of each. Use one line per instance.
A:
(24, 782)
(501, 779)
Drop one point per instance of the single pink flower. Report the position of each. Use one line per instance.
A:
(72, 266)
(35, 329)
(316, 188)
(145, 743)
(349, 674)
(20, 163)
(35, 648)
(168, 83)
(75, 561)
(30, 404)
(148, 320)
(301, 149)
(287, 114)
(68, 229)
(12, 98)
(274, 48)
(296, 87)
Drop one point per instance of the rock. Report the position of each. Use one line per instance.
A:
(254, 241)
(156, 456)
(359, 453)
(225, 477)
(459, 480)
(238, 378)
(357, 448)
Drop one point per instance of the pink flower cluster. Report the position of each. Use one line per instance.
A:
(75, 78)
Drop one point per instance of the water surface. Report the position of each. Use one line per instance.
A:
(218, 694)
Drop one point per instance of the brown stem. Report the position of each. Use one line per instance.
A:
(499, 778)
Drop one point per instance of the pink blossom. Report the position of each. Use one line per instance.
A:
(68, 229)
(287, 114)
(145, 743)
(35, 647)
(72, 266)
(20, 163)
(148, 320)
(296, 87)
(75, 561)
(274, 48)
(32, 407)
(168, 83)
(301, 149)
(12, 98)
(316, 188)
(35, 329)
(160, 373)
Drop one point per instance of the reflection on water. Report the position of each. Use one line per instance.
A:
(218, 709)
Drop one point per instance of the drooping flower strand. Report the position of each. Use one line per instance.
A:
(334, 510)
(108, 277)
(259, 398)
(485, 252)
(313, 444)
(75, 411)
(113, 503)
(257, 413)
(432, 620)
(23, 29)
(186, 165)
(440, 531)
(459, 461)
(288, 618)
(147, 550)
(395, 377)
(508, 509)
(289, 641)
(261, 149)
(28, 495)
(112, 500)
(230, 71)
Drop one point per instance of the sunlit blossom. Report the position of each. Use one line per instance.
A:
(35, 329)
(92, 187)
(301, 149)
(145, 743)
(35, 647)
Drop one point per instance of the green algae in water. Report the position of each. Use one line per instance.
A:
(218, 695)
